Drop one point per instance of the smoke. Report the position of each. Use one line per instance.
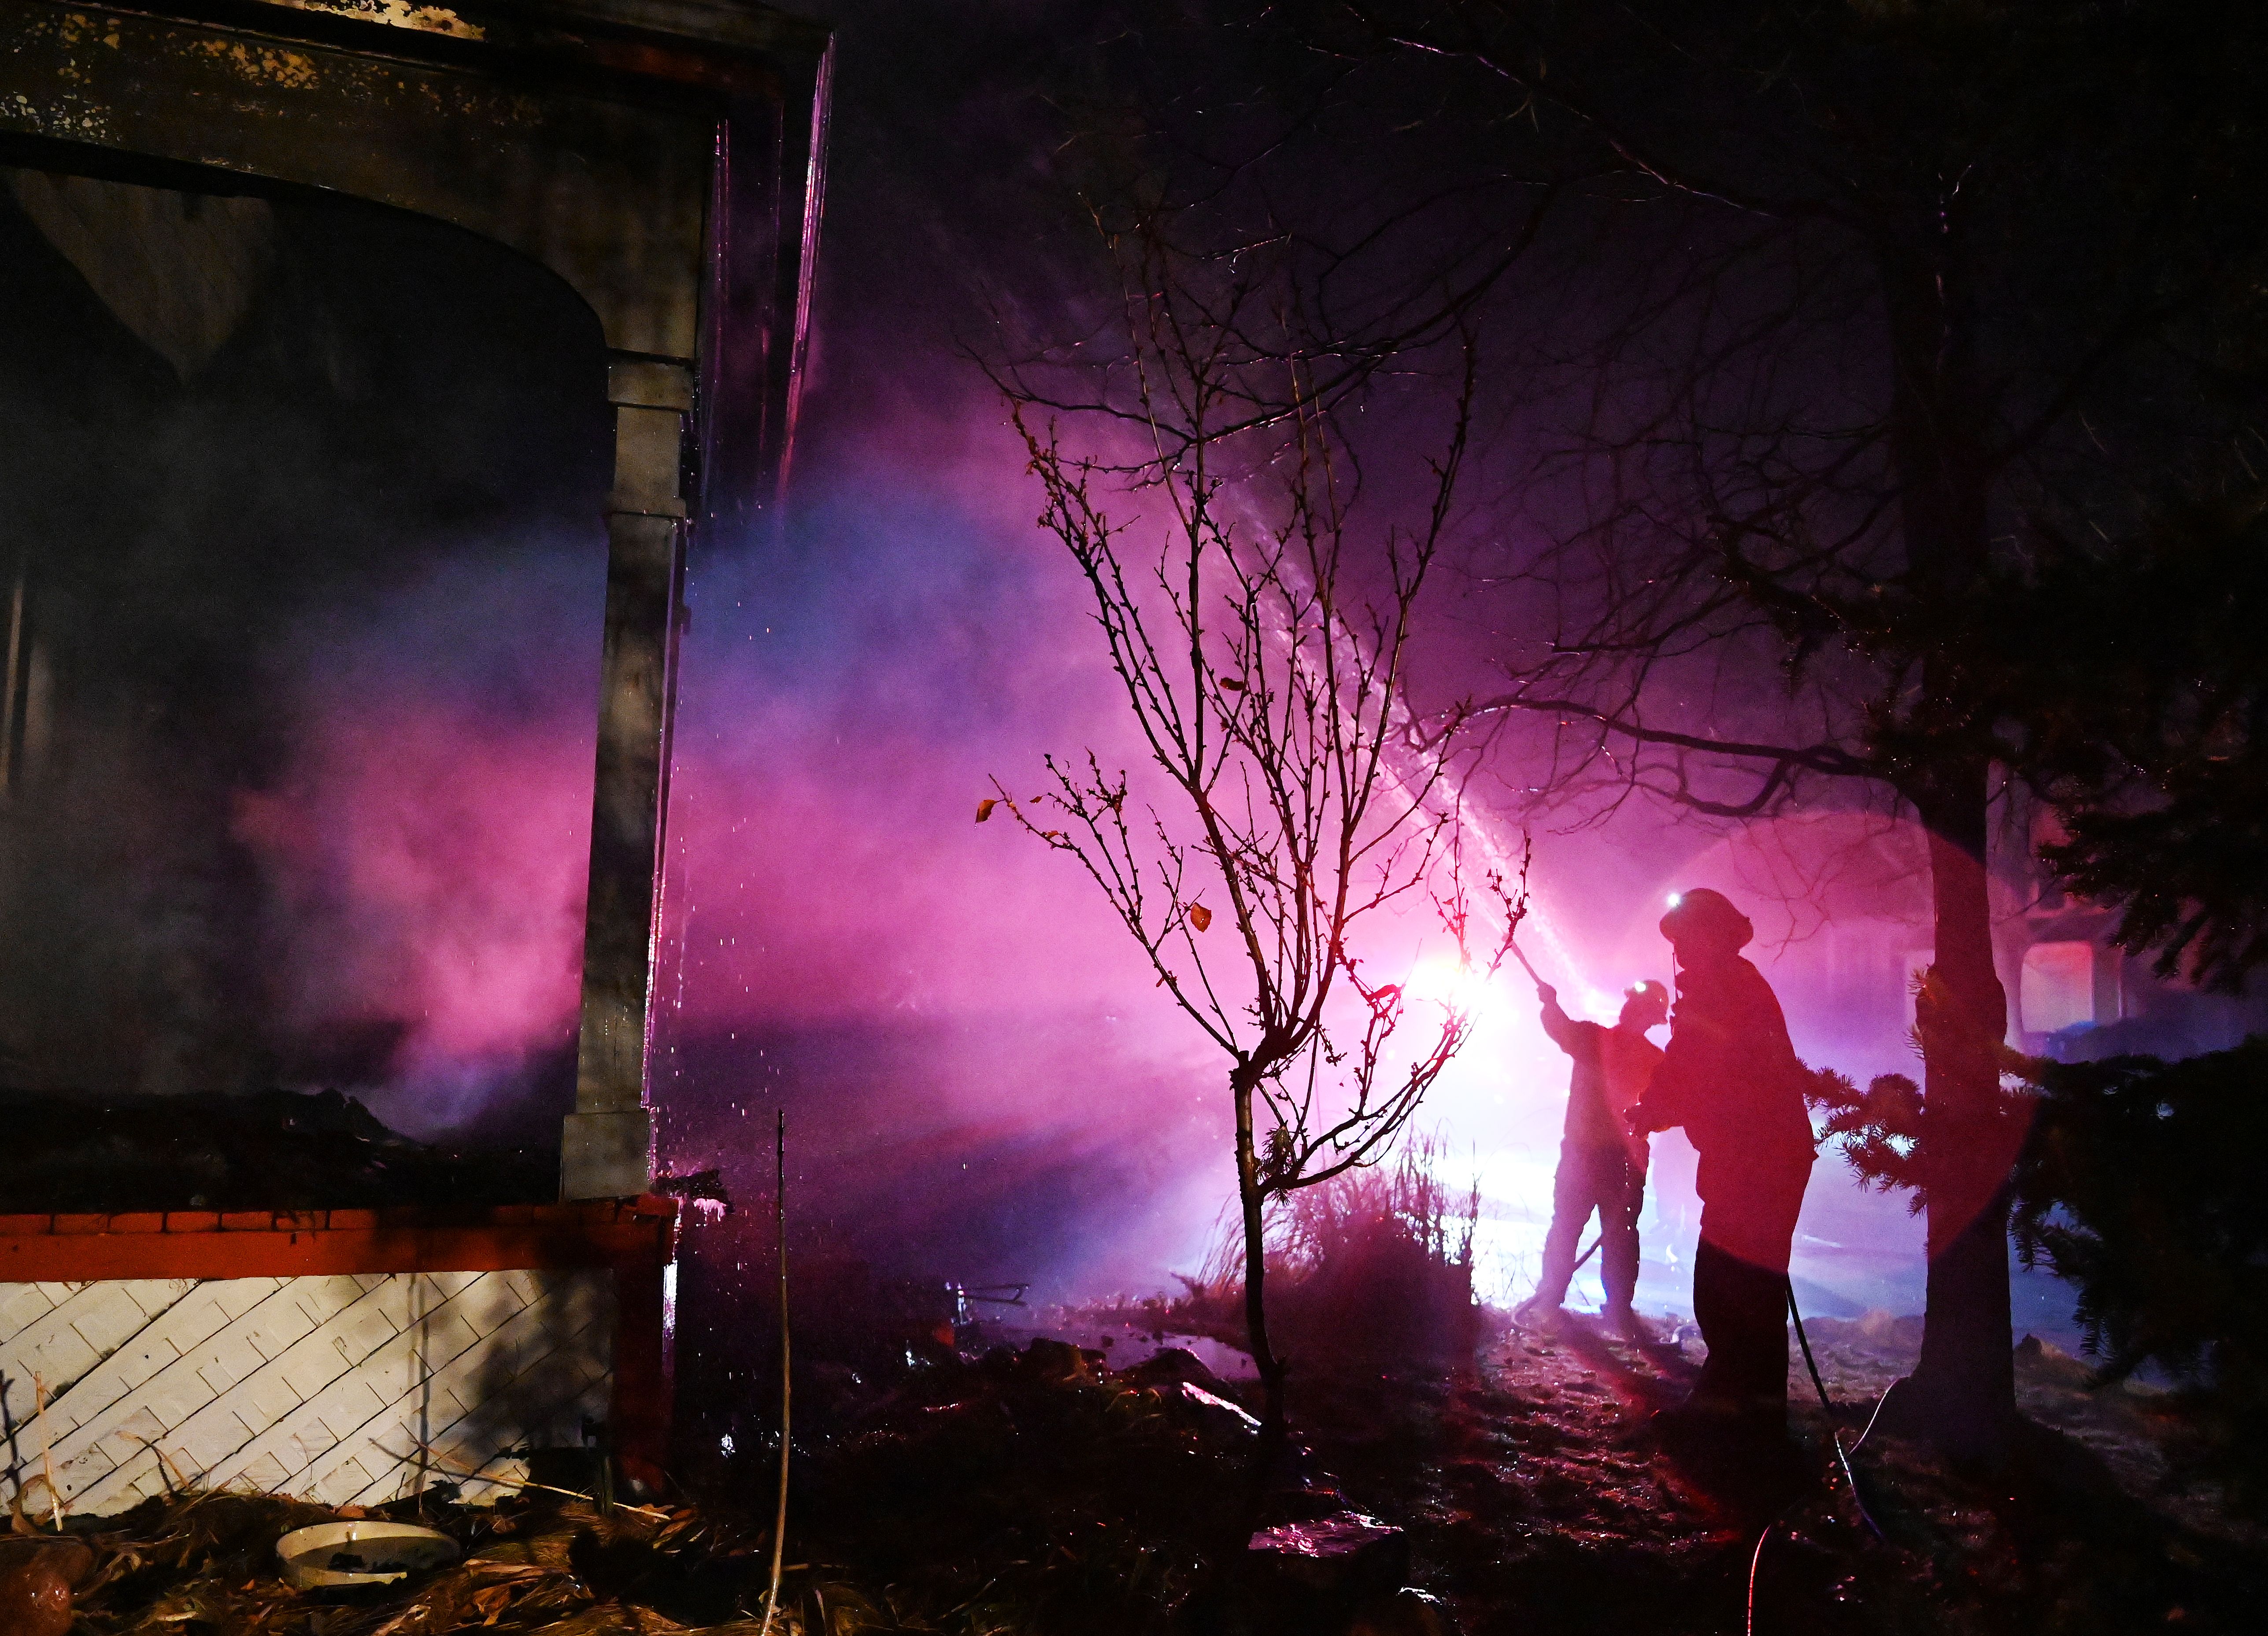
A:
(301, 652)
(424, 849)
(316, 809)
(978, 1080)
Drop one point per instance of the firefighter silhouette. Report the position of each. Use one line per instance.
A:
(1601, 1160)
(1731, 1079)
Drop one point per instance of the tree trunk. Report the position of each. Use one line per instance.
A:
(1961, 1396)
(1253, 1198)
(1962, 1393)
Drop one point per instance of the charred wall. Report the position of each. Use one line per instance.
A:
(233, 426)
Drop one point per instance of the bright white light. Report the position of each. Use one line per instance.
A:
(1454, 985)
(1675, 898)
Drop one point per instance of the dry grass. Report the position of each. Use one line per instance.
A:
(1374, 1266)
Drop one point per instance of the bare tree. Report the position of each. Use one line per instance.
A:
(1262, 646)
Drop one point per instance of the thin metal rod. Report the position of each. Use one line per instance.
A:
(779, 1521)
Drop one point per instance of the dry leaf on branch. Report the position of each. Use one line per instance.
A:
(984, 808)
(1200, 917)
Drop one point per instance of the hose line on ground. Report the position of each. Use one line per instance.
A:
(1842, 1455)
(1827, 1405)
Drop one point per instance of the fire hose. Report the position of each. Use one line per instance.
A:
(1827, 1406)
(1842, 1455)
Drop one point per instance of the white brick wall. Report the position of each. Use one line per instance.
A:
(320, 1387)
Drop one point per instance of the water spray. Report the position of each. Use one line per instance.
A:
(1514, 945)
(1431, 755)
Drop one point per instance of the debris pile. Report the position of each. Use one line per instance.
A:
(207, 1563)
(1034, 1490)
(1031, 1490)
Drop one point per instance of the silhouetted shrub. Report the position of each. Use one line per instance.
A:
(1374, 1265)
(2140, 1183)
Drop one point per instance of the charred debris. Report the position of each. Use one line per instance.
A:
(1019, 1490)
(1039, 1490)
(274, 1150)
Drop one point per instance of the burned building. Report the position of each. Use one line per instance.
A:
(325, 319)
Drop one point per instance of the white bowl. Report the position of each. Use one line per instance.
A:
(386, 1551)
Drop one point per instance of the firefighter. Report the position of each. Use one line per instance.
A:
(1601, 1160)
(1731, 1078)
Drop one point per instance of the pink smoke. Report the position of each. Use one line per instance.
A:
(426, 849)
